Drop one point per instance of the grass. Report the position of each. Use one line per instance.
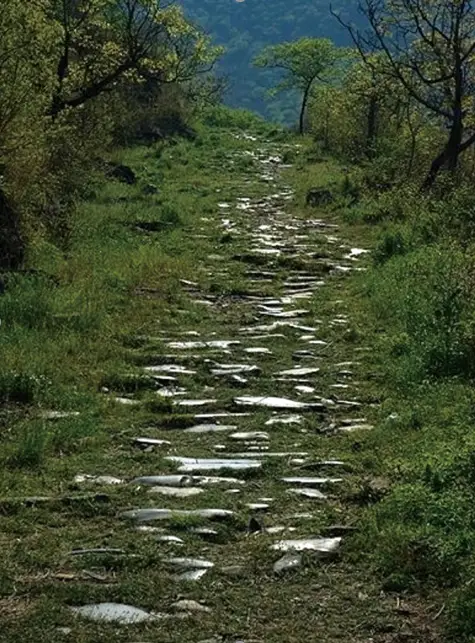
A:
(76, 334)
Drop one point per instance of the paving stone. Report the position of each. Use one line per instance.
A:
(298, 371)
(191, 575)
(167, 481)
(312, 494)
(288, 562)
(151, 442)
(188, 465)
(146, 515)
(187, 605)
(115, 613)
(287, 419)
(189, 563)
(169, 538)
(250, 435)
(309, 481)
(277, 403)
(193, 403)
(320, 545)
(82, 478)
(170, 368)
(176, 492)
(210, 428)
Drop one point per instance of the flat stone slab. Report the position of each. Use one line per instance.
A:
(171, 391)
(187, 605)
(306, 390)
(304, 481)
(219, 416)
(312, 494)
(264, 328)
(82, 478)
(250, 435)
(97, 551)
(284, 314)
(277, 403)
(272, 454)
(189, 563)
(350, 428)
(126, 401)
(146, 515)
(58, 415)
(166, 481)
(299, 371)
(206, 481)
(220, 344)
(193, 403)
(320, 545)
(191, 575)
(288, 562)
(151, 442)
(114, 613)
(177, 492)
(210, 428)
(170, 368)
(188, 465)
(257, 506)
(234, 369)
(169, 538)
(286, 419)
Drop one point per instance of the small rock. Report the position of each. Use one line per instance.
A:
(190, 606)
(288, 562)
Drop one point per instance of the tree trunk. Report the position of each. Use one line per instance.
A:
(372, 126)
(92, 91)
(12, 244)
(303, 108)
(449, 157)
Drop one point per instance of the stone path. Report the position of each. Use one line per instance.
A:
(233, 474)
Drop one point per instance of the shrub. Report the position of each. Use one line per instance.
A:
(428, 295)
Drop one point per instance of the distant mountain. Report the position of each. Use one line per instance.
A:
(244, 27)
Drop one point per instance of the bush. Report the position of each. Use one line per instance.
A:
(424, 536)
(428, 295)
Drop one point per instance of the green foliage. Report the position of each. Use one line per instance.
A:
(72, 85)
(246, 28)
(302, 63)
(427, 295)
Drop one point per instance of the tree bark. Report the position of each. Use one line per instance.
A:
(372, 126)
(12, 243)
(303, 108)
(94, 90)
(449, 157)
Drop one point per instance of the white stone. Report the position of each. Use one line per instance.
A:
(250, 435)
(321, 545)
(177, 492)
(299, 371)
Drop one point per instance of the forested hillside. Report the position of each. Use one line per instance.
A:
(244, 28)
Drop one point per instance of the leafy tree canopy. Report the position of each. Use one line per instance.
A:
(246, 28)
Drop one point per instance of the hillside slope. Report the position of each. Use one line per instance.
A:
(245, 27)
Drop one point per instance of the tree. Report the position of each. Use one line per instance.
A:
(429, 49)
(303, 62)
(102, 41)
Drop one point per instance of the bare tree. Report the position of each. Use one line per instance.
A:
(429, 47)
